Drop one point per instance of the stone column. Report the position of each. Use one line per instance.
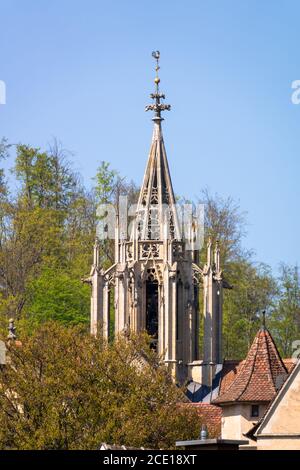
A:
(173, 315)
(167, 320)
(161, 319)
(96, 302)
(212, 284)
(171, 325)
(120, 303)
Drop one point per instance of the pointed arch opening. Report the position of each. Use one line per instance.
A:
(152, 306)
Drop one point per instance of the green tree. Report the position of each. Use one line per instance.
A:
(106, 181)
(285, 319)
(253, 287)
(48, 225)
(55, 295)
(224, 221)
(4, 152)
(109, 186)
(28, 239)
(254, 290)
(46, 178)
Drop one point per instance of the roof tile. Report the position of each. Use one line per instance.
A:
(210, 415)
(258, 378)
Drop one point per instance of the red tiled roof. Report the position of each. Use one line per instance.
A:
(210, 415)
(231, 368)
(258, 377)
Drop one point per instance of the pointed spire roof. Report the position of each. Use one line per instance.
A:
(260, 376)
(157, 193)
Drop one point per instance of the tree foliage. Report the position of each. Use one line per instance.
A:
(253, 291)
(225, 223)
(253, 287)
(285, 318)
(47, 229)
(55, 295)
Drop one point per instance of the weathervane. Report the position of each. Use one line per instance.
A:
(157, 106)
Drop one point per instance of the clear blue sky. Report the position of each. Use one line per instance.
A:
(82, 71)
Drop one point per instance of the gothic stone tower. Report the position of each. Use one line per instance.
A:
(155, 277)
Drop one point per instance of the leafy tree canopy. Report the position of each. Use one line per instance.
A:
(63, 389)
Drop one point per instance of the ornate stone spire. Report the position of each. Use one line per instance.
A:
(151, 284)
(157, 193)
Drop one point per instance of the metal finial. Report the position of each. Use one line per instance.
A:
(203, 433)
(156, 55)
(263, 325)
(157, 106)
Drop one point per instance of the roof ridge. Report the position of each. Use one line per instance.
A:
(240, 372)
(277, 351)
(265, 336)
(269, 358)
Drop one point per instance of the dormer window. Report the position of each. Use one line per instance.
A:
(254, 411)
